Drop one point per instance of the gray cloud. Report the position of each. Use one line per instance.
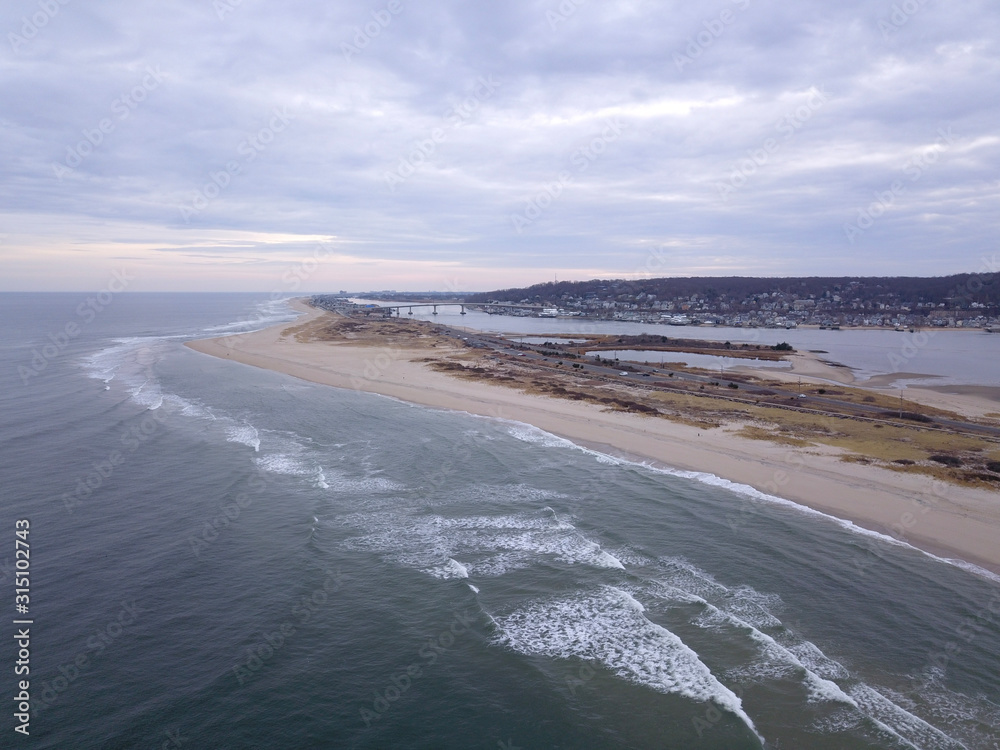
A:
(748, 136)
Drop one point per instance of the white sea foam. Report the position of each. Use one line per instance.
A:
(900, 722)
(104, 364)
(494, 495)
(363, 487)
(608, 626)
(816, 661)
(775, 661)
(945, 707)
(750, 611)
(818, 673)
(524, 522)
(494, 566)
(244, 433)
(319, 479)
(753, 607)
(130, 361)
(451, 569)
(490, 545)
(970, 568)
(680, 574)
(266, 313)
(633, 557)
(283, 463)
(147, 393)
(531, 434)
(188, 407)
(841, 719)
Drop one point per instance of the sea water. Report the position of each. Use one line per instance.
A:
(228, 557)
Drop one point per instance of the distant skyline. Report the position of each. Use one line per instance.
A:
(237, 145)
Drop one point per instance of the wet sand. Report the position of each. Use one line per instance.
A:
(941, 518)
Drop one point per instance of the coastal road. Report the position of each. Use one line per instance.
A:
(637, 373)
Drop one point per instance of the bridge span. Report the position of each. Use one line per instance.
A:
(435, 305)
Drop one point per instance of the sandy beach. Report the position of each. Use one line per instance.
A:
(941, 518)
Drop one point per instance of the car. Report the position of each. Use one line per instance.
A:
(623, 373)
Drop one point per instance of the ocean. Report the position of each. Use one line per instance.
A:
(226, 557)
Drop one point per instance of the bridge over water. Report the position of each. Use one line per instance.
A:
(383, 309)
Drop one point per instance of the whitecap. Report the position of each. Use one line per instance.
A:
(531, 434)
(451, 569)
(901, 723)
(491, 545)
(608, 626)
(244, 433)
(283, 463)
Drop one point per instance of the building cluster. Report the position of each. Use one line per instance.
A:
(843, 306)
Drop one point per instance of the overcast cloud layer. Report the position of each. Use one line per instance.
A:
(224, 145)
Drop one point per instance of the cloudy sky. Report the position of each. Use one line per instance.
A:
(314, 146)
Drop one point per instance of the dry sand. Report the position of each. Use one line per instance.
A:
(941, 518)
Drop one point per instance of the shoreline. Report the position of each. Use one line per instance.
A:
(945, 520)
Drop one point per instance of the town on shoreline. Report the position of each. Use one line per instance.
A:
(964, 301)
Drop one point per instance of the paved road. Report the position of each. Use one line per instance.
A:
(638, 374)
